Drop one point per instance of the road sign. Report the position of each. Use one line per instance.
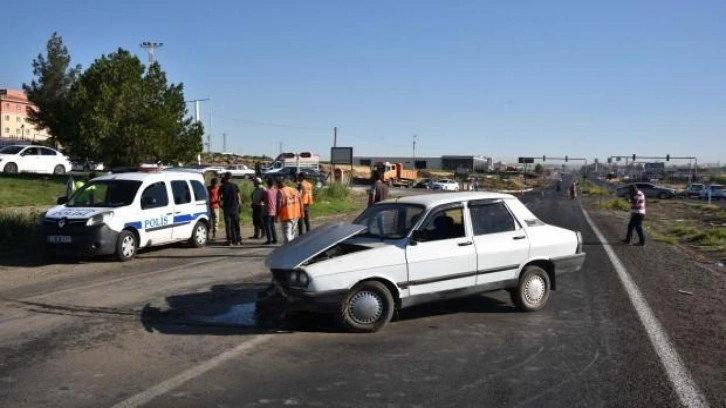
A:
(526, 159)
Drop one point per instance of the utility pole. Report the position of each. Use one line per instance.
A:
(335, 136)
(209, 143)
(150, 47)
(224, 142)
(414, 150)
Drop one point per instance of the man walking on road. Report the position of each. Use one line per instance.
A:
(379, 189)
(229, 196)
(637, 214)
(305, 188)
(213, 191)
(289, 210)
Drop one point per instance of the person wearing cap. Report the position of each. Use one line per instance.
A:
(258, 203)
(229, 196)
(305, 189)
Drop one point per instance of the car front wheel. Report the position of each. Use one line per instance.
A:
(59, 169)
(367, 307)
(126, 246)
(533, 290)
(199, 235)
(10, 168)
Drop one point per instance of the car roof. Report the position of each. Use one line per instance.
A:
(436, 199)
(152, 175)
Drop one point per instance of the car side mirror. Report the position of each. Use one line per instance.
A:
(418, 236)
(61, 200)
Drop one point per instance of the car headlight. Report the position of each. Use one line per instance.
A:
(99, 219)
(298, 278)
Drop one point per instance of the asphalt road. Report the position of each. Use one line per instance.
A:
(176, 328)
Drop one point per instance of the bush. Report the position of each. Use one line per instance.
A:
(17, 231)
(335, 191)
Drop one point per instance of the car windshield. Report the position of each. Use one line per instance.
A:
(389, 221)
(105, 193)
(11, 149)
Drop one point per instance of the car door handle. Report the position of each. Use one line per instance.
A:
(467, 243)
(519, 237)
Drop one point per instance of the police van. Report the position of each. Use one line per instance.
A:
(119, 213)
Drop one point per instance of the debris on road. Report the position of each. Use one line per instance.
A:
(685, 292)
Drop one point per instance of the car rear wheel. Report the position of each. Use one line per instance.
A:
(199, 235)
(663, 196)
(126, 246)
(59, 169)
(533, 290)
(10, 168)
(367, 307)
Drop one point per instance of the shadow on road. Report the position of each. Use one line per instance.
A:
(245, 309)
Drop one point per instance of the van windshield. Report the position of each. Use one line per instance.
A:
(105, 193)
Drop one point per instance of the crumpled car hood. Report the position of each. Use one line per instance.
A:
(301, 249)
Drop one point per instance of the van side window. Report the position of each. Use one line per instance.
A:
(155, 196)
(200, 192)
(182, 194)
(491, 218)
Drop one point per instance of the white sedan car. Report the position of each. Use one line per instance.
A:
(445, 184)
(33, 159)
(424, 248)
(240, 171)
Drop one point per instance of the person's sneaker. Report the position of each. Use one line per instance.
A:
(230, 243)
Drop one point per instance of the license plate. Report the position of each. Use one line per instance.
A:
(59, 239)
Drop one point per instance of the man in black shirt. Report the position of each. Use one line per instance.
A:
(229, 196)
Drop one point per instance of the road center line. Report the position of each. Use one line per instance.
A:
(163, 387)
(678, 374)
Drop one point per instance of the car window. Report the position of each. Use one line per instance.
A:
(155, 196)
(200, 192)
(11, 149)
(389, 221)
(47, 152)
(491, 218)
(444, 224)
(181, 192)
(31, 151)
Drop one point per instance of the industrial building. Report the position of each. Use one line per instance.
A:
(449, 162)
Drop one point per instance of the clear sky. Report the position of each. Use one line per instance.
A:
(501, 78)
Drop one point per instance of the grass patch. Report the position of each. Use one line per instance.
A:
(27, 190)
(715, 237)
(613, 204)
(17, 232)
(657, 236)
(588, 188)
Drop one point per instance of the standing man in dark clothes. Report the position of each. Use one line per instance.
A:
(258, 203)
(229, 195)
(379, 189)
(637, 215)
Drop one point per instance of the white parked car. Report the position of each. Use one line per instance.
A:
(33, 159)
(445, 184)
(240, 171)
(424, 248)
(716, 191)
(120, 213)
(86, 165)
(693, 190)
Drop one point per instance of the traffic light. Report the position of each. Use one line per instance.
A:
(610, 160)
(565, 158)
(668, 157)
(633, 157)
(544, 158)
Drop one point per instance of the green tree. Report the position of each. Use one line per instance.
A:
(126, 114)
(49, 91)
(539, 169)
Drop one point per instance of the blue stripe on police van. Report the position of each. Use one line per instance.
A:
(188, 218)
(135, 224)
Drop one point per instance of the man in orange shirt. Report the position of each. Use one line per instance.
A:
(289, 210)
(305, 188)
(213, 191)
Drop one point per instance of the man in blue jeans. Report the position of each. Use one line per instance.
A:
(637, 214)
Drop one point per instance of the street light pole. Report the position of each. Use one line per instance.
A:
(414, 150)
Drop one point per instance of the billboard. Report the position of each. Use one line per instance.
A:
(654, 170)
(341, 155)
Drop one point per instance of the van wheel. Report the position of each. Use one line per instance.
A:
(199, 235)
(533, 290)
(126, 246)
(367, 307)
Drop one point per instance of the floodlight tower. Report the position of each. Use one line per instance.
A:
(151, 47)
